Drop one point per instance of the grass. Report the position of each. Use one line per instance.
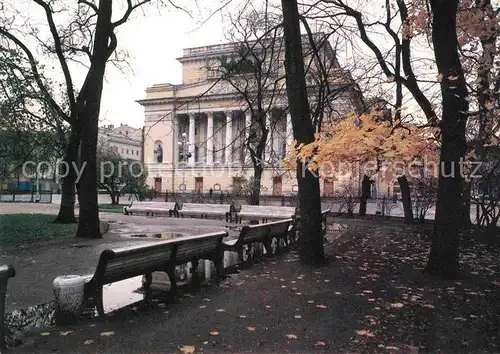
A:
(110, 208)
(17, 229)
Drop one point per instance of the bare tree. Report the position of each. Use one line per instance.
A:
(82, 33)
(311, 238)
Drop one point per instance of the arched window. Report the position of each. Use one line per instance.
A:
(158, 151)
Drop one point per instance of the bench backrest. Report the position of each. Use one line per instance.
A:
(268, 210)
(121, 263)
(195, 246)
(253, 233)
(205, 207)
(158, 205)
(279, 228)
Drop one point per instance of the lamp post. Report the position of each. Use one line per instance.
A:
(185, 155)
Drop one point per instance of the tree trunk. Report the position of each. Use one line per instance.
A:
(257, 178)
(365, 194)
(310, 239)
(406, 199)
(89, 104)
(443, 259)
(113, 198)
(465, 217)
(67, 208)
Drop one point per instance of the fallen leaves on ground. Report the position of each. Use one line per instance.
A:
(397, 305)
(251, 329)
(220, 310)
(66, 333)
(44, 334)
(107, 334)
(321, 306)
(88, 341)
(319, 344)
(297, 316)
(291, 336)
(214, 333)
(364, 332)
(187, 349)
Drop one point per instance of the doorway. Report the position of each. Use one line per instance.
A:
(277, 185)
(328, 187)
(158, 184)
(198, 184)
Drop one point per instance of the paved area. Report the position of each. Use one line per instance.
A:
(370, 298)
(37, 266)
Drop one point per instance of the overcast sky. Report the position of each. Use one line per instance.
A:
(153, 42)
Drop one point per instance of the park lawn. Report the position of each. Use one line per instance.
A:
(112, 208)
(17, 229)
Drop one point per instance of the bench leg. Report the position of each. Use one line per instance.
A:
(219, 266)
(99, 302)
(194, 270)
(171, 276)
(148, 279)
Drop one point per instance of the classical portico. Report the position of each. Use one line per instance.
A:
(218, 137)
(220, 129)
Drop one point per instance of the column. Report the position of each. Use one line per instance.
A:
(289, 130)
(191, 139)
(248, 123)
(269, 142)
(210, 138)
(229, 137)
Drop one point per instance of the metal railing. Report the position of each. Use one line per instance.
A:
(17, 196)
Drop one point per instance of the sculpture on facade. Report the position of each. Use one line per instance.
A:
(159, 154)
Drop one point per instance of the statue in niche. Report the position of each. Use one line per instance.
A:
(159, 154)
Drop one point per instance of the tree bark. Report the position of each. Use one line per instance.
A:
(444, 256)
(365, 194)
(406, 199)
(466, 196)
(257, 178)
(89, 104)
(66, 213)
(310, 239)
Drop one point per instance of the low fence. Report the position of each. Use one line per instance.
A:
(14, 196)
(383, 206)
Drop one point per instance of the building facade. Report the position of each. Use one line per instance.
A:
(124, 140)
(209, 117)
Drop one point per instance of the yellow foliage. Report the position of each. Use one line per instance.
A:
(364, 139)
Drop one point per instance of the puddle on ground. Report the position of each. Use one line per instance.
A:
(124, 293)
(163, 235)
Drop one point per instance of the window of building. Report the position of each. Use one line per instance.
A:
(127, 151)
(137, 152)
(126, 133)
(122, 150)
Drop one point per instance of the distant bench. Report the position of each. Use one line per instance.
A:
(6, 272)
(205, 210)
(128, 262)
(269, 234)
(153, 208)
(264, 212)
(296, 224)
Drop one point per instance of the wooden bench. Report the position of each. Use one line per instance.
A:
(295, 228)
(205, 210)
(269, 234)
(6, 272)
(264, 213)
(128, 262)
(153, 208)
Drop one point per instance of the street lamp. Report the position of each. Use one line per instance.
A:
(185, 155)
